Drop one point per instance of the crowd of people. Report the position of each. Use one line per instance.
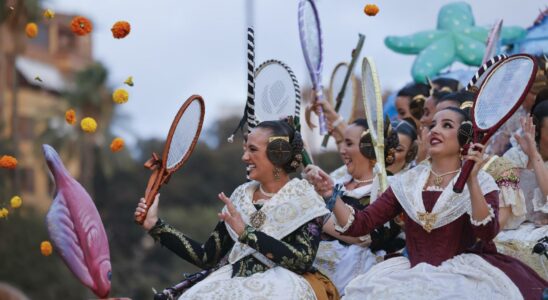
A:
(327, 236)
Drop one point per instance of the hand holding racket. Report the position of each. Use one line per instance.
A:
(181, 140)
(311, 43)
(501, 93)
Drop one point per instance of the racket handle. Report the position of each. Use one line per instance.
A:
(323, 123)
(306, 158)
(325, 140)
(463, 177)
(153, 187)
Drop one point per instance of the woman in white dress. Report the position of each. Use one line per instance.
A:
(269, 229)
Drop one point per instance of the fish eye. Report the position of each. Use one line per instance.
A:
(109, 275)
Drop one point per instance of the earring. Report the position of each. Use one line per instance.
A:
(276, 173)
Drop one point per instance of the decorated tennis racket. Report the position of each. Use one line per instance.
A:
(278, 94)
(181, 140)
(492, 44)
(311, 43)
(250, 104)
(344, 100)
(483, 70)
(374, 114)
(499, 96)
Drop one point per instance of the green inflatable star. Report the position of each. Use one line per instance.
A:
(456, 38)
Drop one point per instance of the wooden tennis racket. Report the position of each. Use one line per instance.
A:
(181, 140)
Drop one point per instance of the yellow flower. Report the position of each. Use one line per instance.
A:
(371, 10)
(31, 30)
(49, 14)
(46, 248)
(8, 162)
(16, 202)
(129, 81)
(120, 96)
(70, 116)
(117, 144)
(88, 125)
(4, 213)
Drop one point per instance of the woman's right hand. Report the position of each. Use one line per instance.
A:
(323, 184)
(152, 214)
(527, 141)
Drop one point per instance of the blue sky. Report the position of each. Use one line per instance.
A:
(180, 47)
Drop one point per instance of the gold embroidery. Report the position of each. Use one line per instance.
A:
(427, 219)
(257, 219)
(183, 240)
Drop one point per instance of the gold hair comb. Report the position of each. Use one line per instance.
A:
(274, 138)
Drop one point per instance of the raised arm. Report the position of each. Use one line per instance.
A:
(529, 147)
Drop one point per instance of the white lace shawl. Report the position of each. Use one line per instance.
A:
(295, 204)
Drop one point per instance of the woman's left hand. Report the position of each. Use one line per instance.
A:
(232, 217)
(475, 153)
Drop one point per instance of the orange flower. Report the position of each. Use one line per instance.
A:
(46, 248)
(31, 30)
(70, 116)
(117, 144)
(120, 29)
(371, 10)
(8, 162)
(81, 26)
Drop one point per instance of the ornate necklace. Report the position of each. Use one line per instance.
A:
(438, 178)
(362, 181)
(270, 195)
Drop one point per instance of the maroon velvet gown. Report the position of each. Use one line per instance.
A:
(443, 243)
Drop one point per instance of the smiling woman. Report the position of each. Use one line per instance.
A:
(269, 228)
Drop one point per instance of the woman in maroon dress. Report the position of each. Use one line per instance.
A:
(448, 235)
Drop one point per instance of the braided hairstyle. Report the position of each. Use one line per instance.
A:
(391, 141)
(407, 127)
(285, 145)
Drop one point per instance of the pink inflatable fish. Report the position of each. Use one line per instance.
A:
(76, 229)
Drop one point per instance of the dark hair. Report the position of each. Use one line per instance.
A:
(438, 95)
(540, 112)
(391, 141)
(290, 162)
(444, 82)
(459, 97)
(414, 89)
(541, 96)
(407, 127)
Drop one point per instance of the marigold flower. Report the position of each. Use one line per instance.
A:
(117, 144)
(120, 96)
(120, 29)
(81, 26)
(49, 14)
(4, 213)
(70, 116)
(88, 125)
(46, 248)
(129, 81)
(31, 30)
(16, 202)
(371, 10)
(8, 162)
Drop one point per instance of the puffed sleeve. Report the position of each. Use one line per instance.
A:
(362, 222)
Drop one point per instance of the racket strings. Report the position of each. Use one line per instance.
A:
(185, 132)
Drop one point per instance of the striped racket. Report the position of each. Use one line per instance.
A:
(250, 104)
(312, 45)
(374, 113)
(499, 96)
(345, 100)
(181, 140)
(481, 73)
(278, 94)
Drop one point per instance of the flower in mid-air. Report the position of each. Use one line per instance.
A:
(120, 96)
(120, 29)
(81, 26)
(16, 202)
(49, 14)
(31, 30)
(129, 81)
(46, 248)
(88, 125)
(117, 144)
(371, 10)
(8, 162)
(70, 116)
(4, 213)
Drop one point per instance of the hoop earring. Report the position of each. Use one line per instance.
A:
(276, 173)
